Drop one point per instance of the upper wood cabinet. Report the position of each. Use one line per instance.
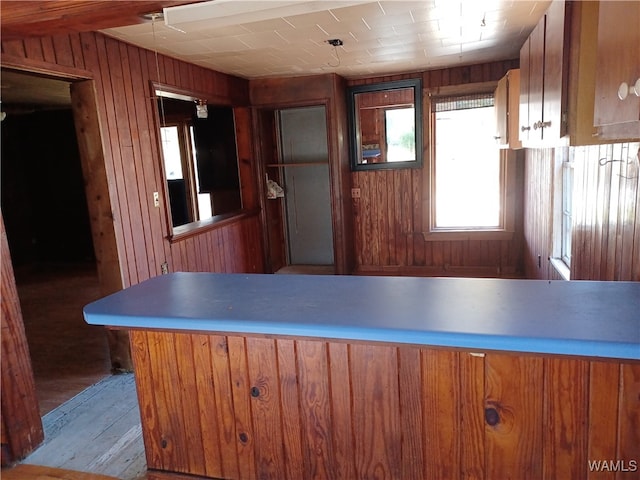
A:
(507, 99)
(617, 83)
(544, 78)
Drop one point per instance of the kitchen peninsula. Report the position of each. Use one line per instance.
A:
(294, 376)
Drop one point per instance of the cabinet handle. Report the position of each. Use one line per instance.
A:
(624, 90)
(524, 129)
(540, 124)
(496, 137)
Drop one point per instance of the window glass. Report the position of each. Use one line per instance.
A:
(567, 211)
(467, 167)
(401, 134)
(200, 161)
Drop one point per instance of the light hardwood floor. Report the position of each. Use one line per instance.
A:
(97, 431)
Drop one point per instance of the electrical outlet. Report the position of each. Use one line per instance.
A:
(156, 199)
(355, 193)
(164, 267)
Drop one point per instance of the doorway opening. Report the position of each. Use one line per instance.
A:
(300, 226)
(48, 229)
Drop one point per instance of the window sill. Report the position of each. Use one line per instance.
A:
(561, 267)
(458, 235)
(195, 228)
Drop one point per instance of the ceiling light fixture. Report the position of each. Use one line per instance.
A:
(335, 43)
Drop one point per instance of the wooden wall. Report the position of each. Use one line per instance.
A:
(288, 408)
(122, 75)
(19, 413)
(538, 212)
(389, 213)
(606, 221)
(124, 167)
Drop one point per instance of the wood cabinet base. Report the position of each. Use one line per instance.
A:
(219, 406)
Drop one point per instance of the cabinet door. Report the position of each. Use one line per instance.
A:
(536, 79)
(525, 125)
(618, 61)
(501, 98)
(556, 43)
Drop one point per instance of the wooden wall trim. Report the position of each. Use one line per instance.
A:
(44, 68)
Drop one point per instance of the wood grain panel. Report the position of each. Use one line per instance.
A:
(629, 417)
(472, 439)
(21, 425)
(316, 426)
(412, 420)
(265, 407)
(241, 388)
(376, 422)
(341, 413)
(290, 398)
(607, 217)
(338, 410)
(603, 415)
(514, 417)
(538, 212)
(388, 215)
(565, 432)
(441, 392)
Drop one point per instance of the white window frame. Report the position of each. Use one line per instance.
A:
(506, 228)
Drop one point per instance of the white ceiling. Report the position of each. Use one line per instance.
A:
(272, 38)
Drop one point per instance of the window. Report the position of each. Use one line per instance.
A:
(562, 211)
(400, 134)
(200, 161)
(567, 210)
(469, 177)
(177, 145)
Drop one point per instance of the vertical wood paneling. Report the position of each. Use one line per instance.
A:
(603, 415)
(337, 410)
(376, 422)
(132, 159)
(315, 392)
(565, 432)
(21, 425)
(241, 388)
(389, 214)
(290, 398)
(226, 407)
(513, 441)
(629, 416)
(212, 429)
(265, 407)
(441, 412)
(607, 221)
(472, 439)
(341, 412)
(538, 214)
(412, 418)
(606, 195)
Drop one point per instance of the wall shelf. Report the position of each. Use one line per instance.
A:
(301, 164)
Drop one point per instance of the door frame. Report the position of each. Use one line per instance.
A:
(91, 149)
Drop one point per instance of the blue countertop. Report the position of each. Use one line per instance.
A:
(594, 319)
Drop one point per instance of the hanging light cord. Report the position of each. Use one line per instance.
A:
(155, 51)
